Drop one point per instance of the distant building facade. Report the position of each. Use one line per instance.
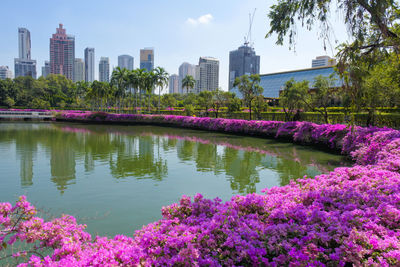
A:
(24, 43)
(125, 62)
(274, 83)
(104, 69)
(186, 69)
(174, 84)
(24, 65)
(147, 59)
(46, 69)
(62, 53)
(5, 73)
(79, 70)
(208, 74)
(323, 61)
(89, 64)
(243, 61)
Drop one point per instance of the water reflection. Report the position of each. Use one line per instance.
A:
(141, 152)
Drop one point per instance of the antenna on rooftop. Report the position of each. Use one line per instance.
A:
(247, 39)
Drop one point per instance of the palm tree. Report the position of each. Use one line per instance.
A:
(119, 79)
(162, 78)
(149, 81)
(188, 82)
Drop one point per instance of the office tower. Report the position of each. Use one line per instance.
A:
(79, 70)
(46, 69)
(5, 73)
(24, 65)
(184, 70)
(243, 61)
(24, 43)
(125, 62)
(62, 53)
(209, 74)
(173, 84)
(323, 61)
(104, 69)
(89, 64)
(147, 58)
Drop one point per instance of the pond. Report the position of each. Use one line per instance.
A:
(115, 179)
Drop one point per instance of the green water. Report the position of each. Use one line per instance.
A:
(116, 178)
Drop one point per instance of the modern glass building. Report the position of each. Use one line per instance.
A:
(147, 59)
(5, 73)
(89, 64)
(104, 69)
(62, 53)
(243, 61)
(46, 69)
(125, 62)
(273, 83)
(79, 70)
(25, 67)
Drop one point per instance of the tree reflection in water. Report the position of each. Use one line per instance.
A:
(139, 152)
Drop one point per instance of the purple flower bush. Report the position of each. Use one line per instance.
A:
(350, 216)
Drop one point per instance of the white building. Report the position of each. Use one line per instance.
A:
(209, 74)
(24, 43)
(89, 64)
(79, 70)
(323, 61)
(5, 73)
(104, 69)
(125, 62)
(186, 69)
(173, 84)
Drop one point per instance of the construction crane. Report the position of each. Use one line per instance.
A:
(247, 39)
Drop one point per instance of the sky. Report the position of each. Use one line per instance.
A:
(178, 30)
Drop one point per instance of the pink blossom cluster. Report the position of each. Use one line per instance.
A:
(349, 217)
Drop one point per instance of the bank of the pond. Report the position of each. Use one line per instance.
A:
(349, 216)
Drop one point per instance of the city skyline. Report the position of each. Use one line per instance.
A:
(197, 30)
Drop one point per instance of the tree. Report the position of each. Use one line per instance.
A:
(162, 78)
(219, 99)
(324, 92)
(204, 99)
(188, 82)
(292, 98)
(249, 87)
(119, 78)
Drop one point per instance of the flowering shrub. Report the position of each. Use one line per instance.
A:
(350, 216)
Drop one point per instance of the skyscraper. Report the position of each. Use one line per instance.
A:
(209, 74)
(125, 62)
(186, 69)
(79, 70)
(243, 61)
(173, 84)
(323, 61)
(62, 53)
(104, 69)
(5, 73)
(24, 65)
(89, 64)
(24, 43)
(147, 58)
(46, 69)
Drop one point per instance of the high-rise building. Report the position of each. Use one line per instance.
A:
(24, 43)
(79, 70)
(62, 53)
(46, 69)
(5, 73)
(186, 69)
(147, 59)
(323, 61)
(104, 69)
(209, 74)
(243, 61)
(173, 84)
(89, 64)
(125, 62)
(24, 65)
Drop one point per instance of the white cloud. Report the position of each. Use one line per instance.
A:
(205, 19)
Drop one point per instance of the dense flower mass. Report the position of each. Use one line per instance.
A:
(349, 216)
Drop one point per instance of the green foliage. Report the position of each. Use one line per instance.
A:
(188, 82)
(189, 110)
(293, 98)
(250, 88)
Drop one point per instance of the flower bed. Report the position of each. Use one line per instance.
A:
(349, 216)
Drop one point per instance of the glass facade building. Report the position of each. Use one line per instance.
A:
(243, 61)
(273, 83)
(147, 59)
(125, 62)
